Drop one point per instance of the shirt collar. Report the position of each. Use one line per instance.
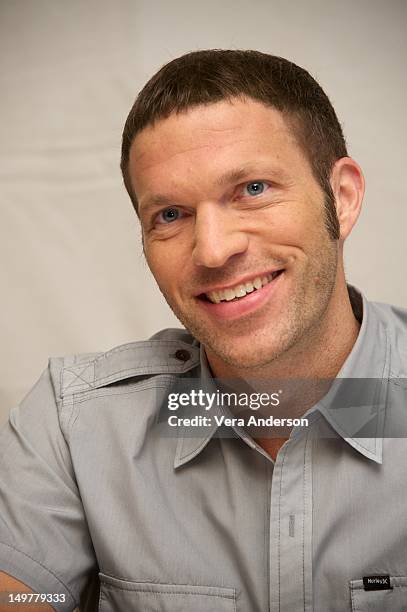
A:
(189, 446)
(369, 359)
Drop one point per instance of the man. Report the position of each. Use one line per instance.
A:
(238, 170)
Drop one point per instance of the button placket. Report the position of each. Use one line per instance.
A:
(291, 528)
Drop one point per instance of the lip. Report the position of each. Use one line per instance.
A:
(241, 281)
(250, 303)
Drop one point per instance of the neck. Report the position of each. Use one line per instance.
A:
(320, 354)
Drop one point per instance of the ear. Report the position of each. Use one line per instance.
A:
(348, 185)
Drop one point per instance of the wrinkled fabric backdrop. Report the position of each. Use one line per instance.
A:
(73, 278)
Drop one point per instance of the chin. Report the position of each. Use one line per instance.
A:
(244, 347)
(247, 357)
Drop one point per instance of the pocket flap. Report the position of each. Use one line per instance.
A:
(124, 595)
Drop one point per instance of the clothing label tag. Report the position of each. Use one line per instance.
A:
(376, 583)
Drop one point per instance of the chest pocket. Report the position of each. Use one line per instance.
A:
(391, 600)
(125, 596)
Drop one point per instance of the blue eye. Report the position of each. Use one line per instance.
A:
(255, 188)
(168, 215)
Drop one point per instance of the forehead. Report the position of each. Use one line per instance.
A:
(206, 141)
(207, 124)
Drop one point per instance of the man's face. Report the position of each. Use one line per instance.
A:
(233, 229)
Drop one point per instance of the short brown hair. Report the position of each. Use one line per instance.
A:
(209, 76)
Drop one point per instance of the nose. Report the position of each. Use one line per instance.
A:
(217, 236)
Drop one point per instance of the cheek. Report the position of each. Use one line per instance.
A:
(153, 261)
(165, 265)
(302, 229)
(286, 228)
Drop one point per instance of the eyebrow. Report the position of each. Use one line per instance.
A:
(237, 174)
(228, 178)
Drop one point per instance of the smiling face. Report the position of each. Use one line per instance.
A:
(234, 229)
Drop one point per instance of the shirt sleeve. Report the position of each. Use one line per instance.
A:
(44, 537)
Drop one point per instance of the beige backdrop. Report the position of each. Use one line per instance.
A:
(72, 273)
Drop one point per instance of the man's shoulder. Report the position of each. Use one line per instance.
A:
(394, 320)
(391, 312)
(168, 352)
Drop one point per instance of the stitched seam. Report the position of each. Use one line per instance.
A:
(352, 593)
(344, 435)
(358, 445)
(138, 371)
(383, 377)
(267, 547)
(44, 567)
(145, 345)
(151, 368)
(387, 353)
(76, 402)
(65, 415)
(161, 376)
(105, 580)
(73, 416)
(163, 591)
(303, 517)
(303, 526)
(279, 528)
(61, 386)
(181, 440)
(74, 419)
(78, 376)
(81, 400)
(196, 450)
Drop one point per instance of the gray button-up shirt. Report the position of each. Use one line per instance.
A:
(92, 491)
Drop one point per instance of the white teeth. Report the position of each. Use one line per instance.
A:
(240, 290)
(229, 294)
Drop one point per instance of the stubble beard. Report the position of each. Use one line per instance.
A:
(299, 325)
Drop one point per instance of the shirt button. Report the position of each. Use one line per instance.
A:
(183, 355)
